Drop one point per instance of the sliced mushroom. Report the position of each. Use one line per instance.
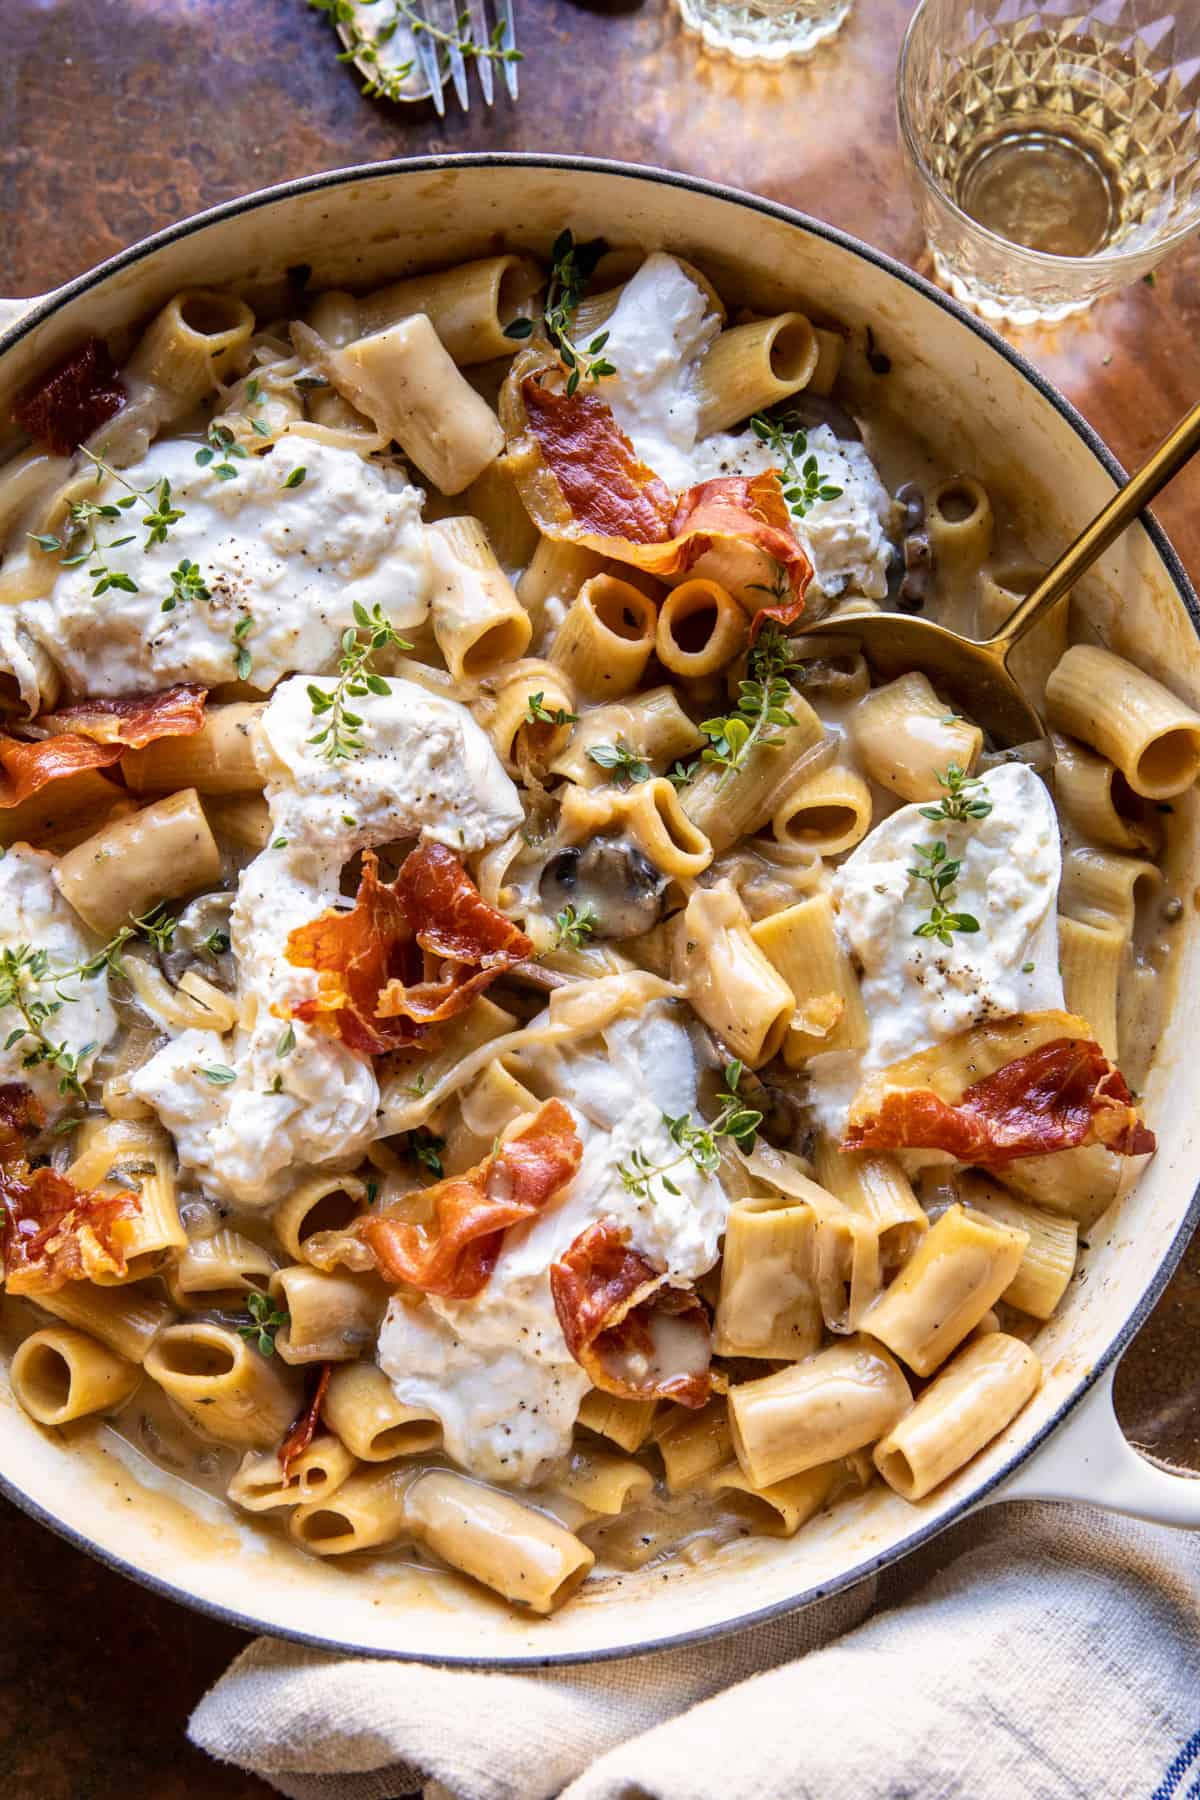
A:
(201, 941)
(614, 879)
(811, 410)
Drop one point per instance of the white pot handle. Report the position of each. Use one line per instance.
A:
(12, 310)
(1089, 1459)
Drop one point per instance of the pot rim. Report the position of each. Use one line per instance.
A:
(591, 165)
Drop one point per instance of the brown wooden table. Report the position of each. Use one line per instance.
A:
(123, 115)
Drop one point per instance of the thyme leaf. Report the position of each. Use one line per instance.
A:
(572, 267)
(265, 1319)
(575, 925)
(761, 713)
(698, 1144)
(625, 765)
(802, 481)
(339, 730)
(959, 800)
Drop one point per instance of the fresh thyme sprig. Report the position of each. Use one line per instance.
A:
(82, 545)
(157, 927)
(387, 83)
(803, 482)
(761, 713)
(265, 1320)
(939, 871)
(340, 737)
(625, 765)
(682, 773)
(536, 713)
(187, 584)
(698, 1144)
(575, 925)
(23, 971)
(572, 267)
(219, 450)
(215, 944)
(959, 801)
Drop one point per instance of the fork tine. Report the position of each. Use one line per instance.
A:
(479, 33)
(429, 59)
(448, 15)
(508, 41)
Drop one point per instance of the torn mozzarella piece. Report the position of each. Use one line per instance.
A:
(846, 539)
(294, 560)
(662, 324)
(34, 915)
(496, 1370)
(425, 768)
(917, 991)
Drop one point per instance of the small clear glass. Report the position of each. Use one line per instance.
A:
(1056, 148)
(764, 31)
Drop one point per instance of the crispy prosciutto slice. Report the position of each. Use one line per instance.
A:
(455, 1254)
(410, 954)
(133, 720)
(52, 1233)
(581, 479)
(634, 1335)
(94, 735)
(1024, 1086)
(28, 768)
(304, 1427)
(80, 394)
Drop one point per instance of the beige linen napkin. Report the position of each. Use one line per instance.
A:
(1032, 1653)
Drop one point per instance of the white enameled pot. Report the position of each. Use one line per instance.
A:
(984, 410)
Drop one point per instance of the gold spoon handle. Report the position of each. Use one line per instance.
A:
(1176, 449)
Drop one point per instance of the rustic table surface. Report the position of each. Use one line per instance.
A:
(124, 115)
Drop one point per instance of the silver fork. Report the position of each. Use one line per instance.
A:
(443, 16)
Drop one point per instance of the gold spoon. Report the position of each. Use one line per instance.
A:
(975, 675)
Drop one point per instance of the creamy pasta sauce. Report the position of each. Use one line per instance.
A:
(508, 1062)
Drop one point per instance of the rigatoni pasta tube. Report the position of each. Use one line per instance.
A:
(605, 641)
(405, 380)
(786, 1505)
(652, 724)
(874, 1186)
(520, 738)
(663, 832)
(468, 306)
(727, 806)
(227, 1391)
(624, 1422)
(732, 986)
(958, 517)
(750, 367)
(363, 1411)
(768, 1303)
(58, 1375)
(556, 571)
(905, 737)
(844, 1397)
(963, 1408)
(1098, 801)
(956, 1274)
(332, 1318)
(318, 1203)
(260, 1485)
(138, 1154)
(801, 942)
(604, 1483)
(1140, 725)
(367, 1510)
(220, 1270)
(1090, 958)
(217, 759)
(827, 814)
(701, 628)
(1103, 888)
(186, 349)
(494, 500)
(490, 1536)
(160, 853)
(127, 1319)
(692, 1444)
(477, 619)
(1045, 1270)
